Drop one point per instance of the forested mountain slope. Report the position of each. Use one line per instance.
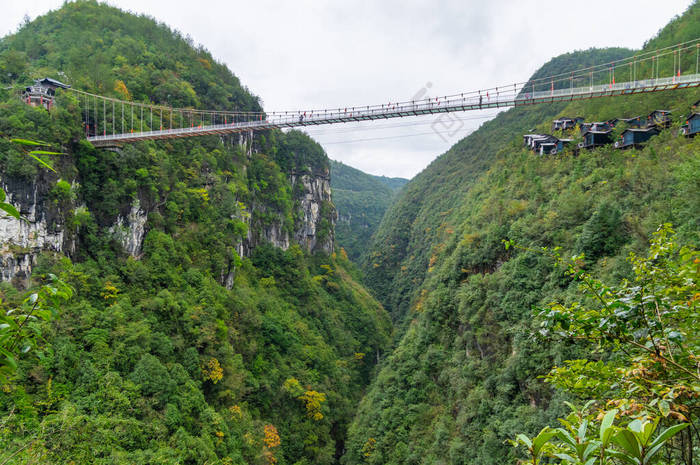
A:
(209, 325)
(400, 254)
(361, 200)
(464, 377)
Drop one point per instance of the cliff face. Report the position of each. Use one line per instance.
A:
(314, 226)
(318, 215)
(307, 171)
(130, 230)
(45, 227)
(21, 241)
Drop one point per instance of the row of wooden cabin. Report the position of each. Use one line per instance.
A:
(640, 129)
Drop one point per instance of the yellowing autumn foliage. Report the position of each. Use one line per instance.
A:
(368, 447)
(110, 292)
(313, 402)
(213, 370)
(236, 411)
(418, 307)
(120, 88)
(269, 456)
(271, 440)
(206, 63)
(201, 193)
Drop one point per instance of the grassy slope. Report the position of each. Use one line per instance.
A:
(464, 376)
(361, 200)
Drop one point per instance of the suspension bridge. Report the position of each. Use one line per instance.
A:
(112, 122)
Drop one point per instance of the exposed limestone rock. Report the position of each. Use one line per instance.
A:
(261, 233)
(131, 230)
(22, 240)
(245, 141)
(276, 236)
(316, 230)
(16, 267)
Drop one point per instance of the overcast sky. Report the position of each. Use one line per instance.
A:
(318, 54)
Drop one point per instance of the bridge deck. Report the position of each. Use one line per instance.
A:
(505, 98)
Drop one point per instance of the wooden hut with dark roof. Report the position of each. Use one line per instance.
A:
(633, 137)
(552, 147)
(42, 92)
(661, 118)
(597, 126)
(595, 138)
(635, 122)
(692, 125)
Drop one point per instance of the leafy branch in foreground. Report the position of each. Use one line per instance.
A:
(19, 325)
(35, 153)
(642, 335)
(587, 440)
(7, 207)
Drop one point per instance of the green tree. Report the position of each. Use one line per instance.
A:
(13, 65)
(602, 234)
(642, 335)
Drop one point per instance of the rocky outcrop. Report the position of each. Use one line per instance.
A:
(259, 233)
(17, 267)
(315, 231)
(245, 142)
(275, 235)
(42, 229)
(21, 241)
(263, 231)
(130, 230)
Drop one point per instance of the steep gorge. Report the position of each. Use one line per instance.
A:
(213, 322)
(361, 200)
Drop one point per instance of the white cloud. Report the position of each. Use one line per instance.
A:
(320, 54)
